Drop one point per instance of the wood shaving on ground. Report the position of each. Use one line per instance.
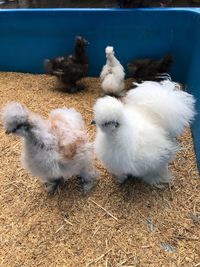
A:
(109, 226)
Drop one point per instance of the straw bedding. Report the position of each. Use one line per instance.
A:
(114, 226)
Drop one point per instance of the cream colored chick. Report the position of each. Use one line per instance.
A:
(112, 74)
(138, 137)
(55, 149)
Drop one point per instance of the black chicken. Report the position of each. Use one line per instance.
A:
(72, 68)
(144, 3)
(132, 4)
(150, 69)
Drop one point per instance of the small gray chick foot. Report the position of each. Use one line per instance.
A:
(88, 185)
(122, 178)
(89, 182)
(53, 185)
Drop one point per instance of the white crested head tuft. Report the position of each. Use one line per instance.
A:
(107, 109)
(13, 114)
(109, 50)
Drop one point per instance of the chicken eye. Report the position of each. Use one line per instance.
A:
(18, 127)
(107, 123)
(114, 123)
(24, 125)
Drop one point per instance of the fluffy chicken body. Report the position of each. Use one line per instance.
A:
(148, 69)
(139, 139)
(165, 103)
(70, 69)
(55, 149)
(112, 74)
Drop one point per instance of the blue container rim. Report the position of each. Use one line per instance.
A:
(171, 9)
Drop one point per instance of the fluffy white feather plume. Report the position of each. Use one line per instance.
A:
(56, 148)
(137, 137)
(112, 74)
(165, 101)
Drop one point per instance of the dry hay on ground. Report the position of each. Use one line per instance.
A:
(135, 228)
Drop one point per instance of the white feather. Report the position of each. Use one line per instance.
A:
(112, 74)
(142, 142)
(71, 115)
(165, 102)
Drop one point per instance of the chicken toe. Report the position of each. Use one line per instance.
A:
(53, 185)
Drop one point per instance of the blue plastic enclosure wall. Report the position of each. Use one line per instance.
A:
(27, 37)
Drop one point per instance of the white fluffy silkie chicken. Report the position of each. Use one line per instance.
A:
(112, 74)
(137, 137)
(56, 148)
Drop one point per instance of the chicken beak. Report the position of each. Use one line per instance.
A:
(93, 122)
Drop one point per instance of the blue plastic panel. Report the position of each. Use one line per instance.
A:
(27, 37)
